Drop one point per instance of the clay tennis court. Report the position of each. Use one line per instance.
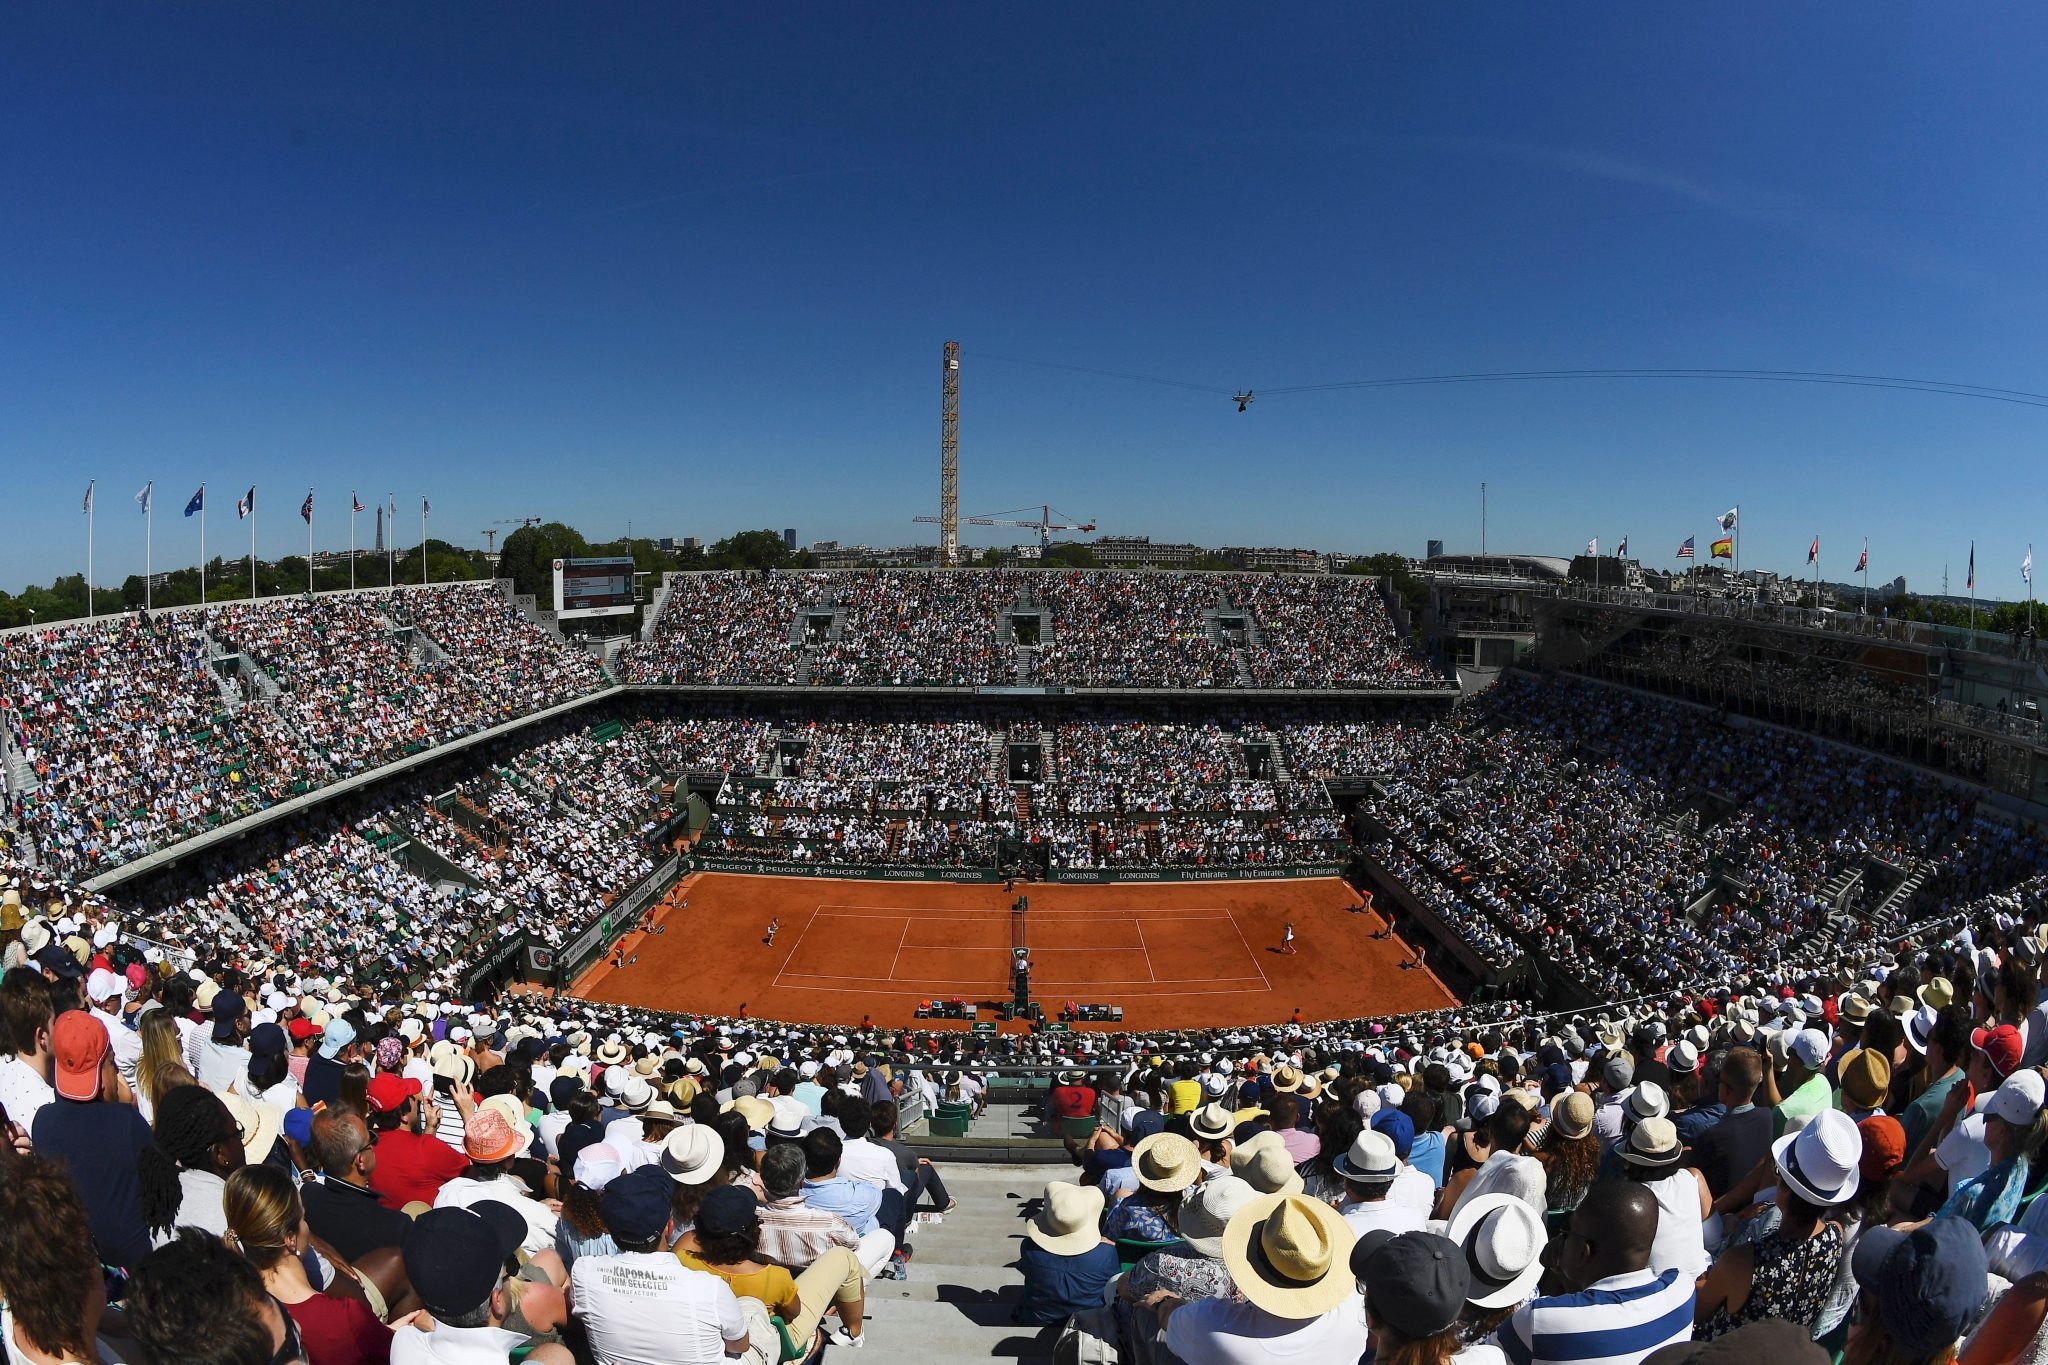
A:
(1173, 955)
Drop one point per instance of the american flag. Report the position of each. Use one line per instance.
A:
(355, 504)
(1685, 550)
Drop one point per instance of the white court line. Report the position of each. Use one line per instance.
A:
(1143, 949)
(1248, 951)
(1167, 988)
(937, 916)
(899, 949)
(971, 948)
(915, 982)
(975, 911)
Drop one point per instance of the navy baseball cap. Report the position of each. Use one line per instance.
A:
(635, 1206)
(1399, 1129)
(455, 1256)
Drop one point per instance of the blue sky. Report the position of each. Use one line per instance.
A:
(692, 267)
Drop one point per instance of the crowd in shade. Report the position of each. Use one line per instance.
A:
(937, 792)
(1837, 1151)
(1638, 842)
(143, 730)
(982, 627)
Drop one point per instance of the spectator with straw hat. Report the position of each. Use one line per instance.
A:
(1289, 1257)
(1066, 1262)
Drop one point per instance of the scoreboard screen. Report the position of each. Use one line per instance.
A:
(594, 587)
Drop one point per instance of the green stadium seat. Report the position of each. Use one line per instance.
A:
(1083, 1127)
(947, 1125)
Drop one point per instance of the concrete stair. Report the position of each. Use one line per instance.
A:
(955, 1307)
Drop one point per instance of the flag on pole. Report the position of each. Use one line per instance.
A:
(198, 502)
(2027, 566)
(306, 508)
(244, 506)
(1621, 550)
(1685, 550)
(1724, 548)
(88, 496)
(1813, 551)
(1863, 560)
(1593, 546)
(1971, 581)
(142, 498)
(355, 504)
(424, 507)
(1726, 520)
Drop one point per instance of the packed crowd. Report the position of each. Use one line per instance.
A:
(1554, 807)
(139, 731)
(1127, 793)
(1096, 628)
(1840, 1152)
(130, 739)
(369, 677)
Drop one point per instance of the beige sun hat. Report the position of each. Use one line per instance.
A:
(1166, 1162)
(1287, 1079)
(1266, 1166)
(1065, 1223)
(1290, 1255)
(261, 1125)
(1206, 1210)
(756, 1111)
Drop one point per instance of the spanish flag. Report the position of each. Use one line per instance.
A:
(1724, 548)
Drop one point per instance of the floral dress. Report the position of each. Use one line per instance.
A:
(1791, 1280)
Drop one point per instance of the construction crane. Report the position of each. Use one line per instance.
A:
(491, 532)
(949, 458)
(1045, 525)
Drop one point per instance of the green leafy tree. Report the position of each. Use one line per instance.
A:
(750, 550)
(528, 558)
(1069, 555)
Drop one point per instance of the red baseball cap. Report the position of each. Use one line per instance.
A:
(301, 1029)
(388, 1092)
(77, 1044)
(2003, 1045)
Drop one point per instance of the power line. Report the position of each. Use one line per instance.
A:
(1831, 378)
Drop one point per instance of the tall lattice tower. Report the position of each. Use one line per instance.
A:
(949, 460)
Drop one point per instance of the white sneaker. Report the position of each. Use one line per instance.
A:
(840, 1338)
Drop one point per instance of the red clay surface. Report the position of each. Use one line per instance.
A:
(1174, 955)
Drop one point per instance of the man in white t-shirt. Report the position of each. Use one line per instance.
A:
(25, 1035)
(861, 1158)
(642, 1306)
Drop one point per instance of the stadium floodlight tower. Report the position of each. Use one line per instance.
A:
(949, 459)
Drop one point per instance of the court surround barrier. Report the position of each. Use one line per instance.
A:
(1100, 876)
(591, 941)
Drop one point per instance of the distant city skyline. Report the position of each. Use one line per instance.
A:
(694, 270)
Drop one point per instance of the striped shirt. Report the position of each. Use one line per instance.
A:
(1616, 1321)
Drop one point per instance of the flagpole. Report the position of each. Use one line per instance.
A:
(423, 542)
(1866, 576)
(309, 542)
(148, 546)
(202, 544)
(252, 548)
(1973, 587)
(88, 549)
(351, 541)
(391, 541)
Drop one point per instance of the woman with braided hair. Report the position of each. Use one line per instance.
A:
(184, 1172)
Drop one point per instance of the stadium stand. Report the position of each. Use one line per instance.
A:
(1773, 964)
(1090, 629)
